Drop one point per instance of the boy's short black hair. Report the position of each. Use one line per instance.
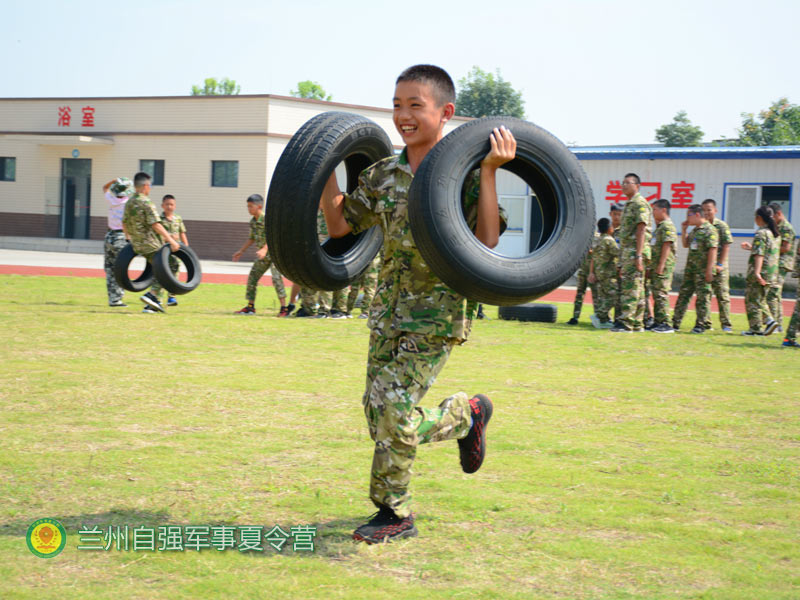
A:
(695, 209)
(635, 177)
(603, 225)
(662, 203)
(255, 199)
(167, 197)
(616, 207)
(776, 208)
(441, 83)
(141, 178)
(710, 201)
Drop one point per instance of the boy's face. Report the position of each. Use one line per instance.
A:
(168, 206)
(417, 115)
(253, 208)
(659, 214)
(695, 218)
(709, 211)
(616, 218)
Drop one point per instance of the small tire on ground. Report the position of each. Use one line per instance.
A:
(540, 313)
(164, 274)
(310, 157)
(121, 265)
(562, 213)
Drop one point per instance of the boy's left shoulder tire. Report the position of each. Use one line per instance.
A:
(124, 259)
(319, 146)
(540, 313)
(561, 216)
(164, 274)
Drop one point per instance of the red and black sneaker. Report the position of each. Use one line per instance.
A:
(284, 312)
(472, 448)
(247, 310)
(385, 526)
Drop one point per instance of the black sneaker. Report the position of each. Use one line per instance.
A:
(751, 332)
(117, 304)
(649, 323)
(385, 526)
(697, 329)
(572, 321)
(302, 312)
(337, 314)
(620, 328)
(321, 315)
(152, 301)
(662, 328)
(472, 448)
(770, 327)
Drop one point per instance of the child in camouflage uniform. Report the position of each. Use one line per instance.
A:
(785, 263)
(699, 273)
(603, 272)
(583, 282)
(415, 320)
(791, 333)
(721, 284)
(662, 265)
(142, 226)
(174, 225)
(258, 236)
(762, 271)
(117, 192)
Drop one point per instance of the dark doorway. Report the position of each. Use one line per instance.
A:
(76, 176)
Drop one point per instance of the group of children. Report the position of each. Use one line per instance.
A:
(772, 258)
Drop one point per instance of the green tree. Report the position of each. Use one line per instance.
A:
(680, 132)
(779, 125)
(483, 94)
(310, 89)
(212, 87)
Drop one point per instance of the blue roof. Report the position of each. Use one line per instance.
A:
(695, 152)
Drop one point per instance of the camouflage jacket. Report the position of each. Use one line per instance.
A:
(605, 257)
(139, 217)
(787, 235)
(409, 298)
(636, 211)
(767, 245)
(257, 232)
(665, 232)
(174, 227)
(701, 240)
(584, 268)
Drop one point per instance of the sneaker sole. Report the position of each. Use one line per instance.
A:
(482, 432)
(770, 329)
(151, 303)
(406, 533)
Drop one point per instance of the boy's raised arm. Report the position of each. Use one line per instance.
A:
(503, 150)
(332, 203)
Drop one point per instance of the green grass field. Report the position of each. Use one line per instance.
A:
(619, 466)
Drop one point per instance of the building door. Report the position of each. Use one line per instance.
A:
(76, 176)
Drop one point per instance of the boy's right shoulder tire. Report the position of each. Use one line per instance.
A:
(164, 274)
(540, 313)
(124, 259)
(312, 154)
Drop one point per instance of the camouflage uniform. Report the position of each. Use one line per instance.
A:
(415, 320)
(260, 266)
(175, 228)
(368, 282)
(794, 322)
(660, 285)
(785, 265)
(113, 242)
(701, 240)
(618, 290)
(309, 298)
(605, 256)
(583, 280)
(632, 299)
(721, 283)
(139, 217)
(755, 295)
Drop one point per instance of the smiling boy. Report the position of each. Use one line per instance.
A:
(415, 319)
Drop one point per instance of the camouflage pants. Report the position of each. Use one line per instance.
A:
(632, 298)
(369, 283)
(308, 300)
(755, 304)
(256, 271)
(618, 297)
(660, 286)
(112, 244)
(327, 301)
(648, 291)
(694, 283)
(583, 283)
(606, 297)
(721, 288)
(775, 296)
(399, 372)
(794, 323)
(156, 288)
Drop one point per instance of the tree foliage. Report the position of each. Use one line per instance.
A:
(212, 87)
(779, 125)
(680, 132)
(483, 94)
(310, 89)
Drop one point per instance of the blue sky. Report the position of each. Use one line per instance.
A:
(591, 72)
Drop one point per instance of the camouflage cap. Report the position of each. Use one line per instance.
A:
(122, 187)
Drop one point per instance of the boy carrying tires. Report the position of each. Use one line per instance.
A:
(415, 319)
(142, 227)
(174, 225)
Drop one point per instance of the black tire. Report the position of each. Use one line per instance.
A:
(164, 274)
(293, 200)
(540, 313)
(563, 219)
(124, 258)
